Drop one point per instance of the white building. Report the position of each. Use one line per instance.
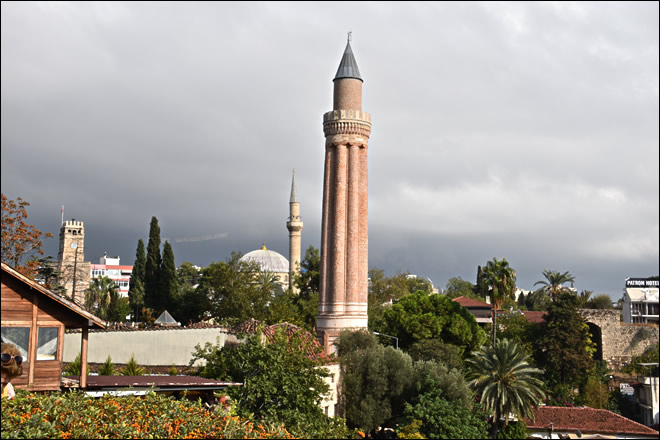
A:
(110, 267)
(646, 394)
(640, 301)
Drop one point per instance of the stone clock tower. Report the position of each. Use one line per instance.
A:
(74, 270)
(344, 222)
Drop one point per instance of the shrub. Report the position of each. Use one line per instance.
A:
(75, 415)
(132, 368)
(107, 369)
(73, 369)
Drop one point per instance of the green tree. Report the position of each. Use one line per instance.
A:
(169, 290)
(47, 274)
(101, 296)
(513, 430)
(373, 381)
(192, 303)
(585, 295)
(187, 274)
(281, 384)
(431, 375)
(308, 284)
(602, 301)
(438, 351)
(515, 327)
(505, 381)
(442, 418)
(136, 284)
(458, 287)
(384, 290)
(564, 346)
(420, 316)
(350, 341)
(308, 279)
(20, 240)
(553, 283)
(152, 267)
(233, 294)
(497, 280)
(537, 300)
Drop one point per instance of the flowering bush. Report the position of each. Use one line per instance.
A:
(75, 415)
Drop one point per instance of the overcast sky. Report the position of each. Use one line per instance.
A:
(525, 131)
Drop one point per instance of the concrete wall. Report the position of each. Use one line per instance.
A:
(150, 347)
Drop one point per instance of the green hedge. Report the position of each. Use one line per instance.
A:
(75, 415)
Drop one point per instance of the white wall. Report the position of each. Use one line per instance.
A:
(150, 347)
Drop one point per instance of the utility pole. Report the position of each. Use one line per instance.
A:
(74, 245)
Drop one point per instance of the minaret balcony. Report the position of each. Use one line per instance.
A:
(347, 122)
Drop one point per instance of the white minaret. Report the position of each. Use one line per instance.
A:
(294, 225)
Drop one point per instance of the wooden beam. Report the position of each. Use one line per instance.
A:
(32, 345)
(83, 356)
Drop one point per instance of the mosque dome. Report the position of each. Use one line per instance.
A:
(269, 261)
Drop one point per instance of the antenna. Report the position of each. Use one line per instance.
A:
(349, 36)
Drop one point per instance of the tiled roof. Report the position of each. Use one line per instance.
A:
(534, 316)
(312, 349)
(586, 420)
(470, 302)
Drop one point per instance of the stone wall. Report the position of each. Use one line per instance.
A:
(620, 342)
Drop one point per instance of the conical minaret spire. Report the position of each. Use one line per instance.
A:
(294, 225)
(348, 67)
(344, 227)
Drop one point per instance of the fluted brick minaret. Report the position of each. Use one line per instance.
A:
(344, 229)
(294, 225)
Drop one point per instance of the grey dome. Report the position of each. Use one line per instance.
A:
(269, 261)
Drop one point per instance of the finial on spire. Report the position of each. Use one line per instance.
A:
(292, 199)
(349, 36)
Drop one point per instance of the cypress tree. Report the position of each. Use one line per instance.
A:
(169, 291)
(136, 285)
(152, 266)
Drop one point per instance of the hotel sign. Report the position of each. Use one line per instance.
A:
(642, 282)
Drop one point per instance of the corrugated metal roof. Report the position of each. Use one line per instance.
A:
(348, 67)
(101, 382)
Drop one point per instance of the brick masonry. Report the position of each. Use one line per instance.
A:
(344, 229)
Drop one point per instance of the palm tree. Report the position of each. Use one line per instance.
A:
(552, 285)
(101, 295)
(498, 280)
(506, 382)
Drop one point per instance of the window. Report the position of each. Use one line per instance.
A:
(47, 344)
(19, 336)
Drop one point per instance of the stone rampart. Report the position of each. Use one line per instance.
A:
(620, 342)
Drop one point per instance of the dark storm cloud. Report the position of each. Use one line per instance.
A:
(519, 130)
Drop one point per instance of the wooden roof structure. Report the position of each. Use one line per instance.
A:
(37, 317)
